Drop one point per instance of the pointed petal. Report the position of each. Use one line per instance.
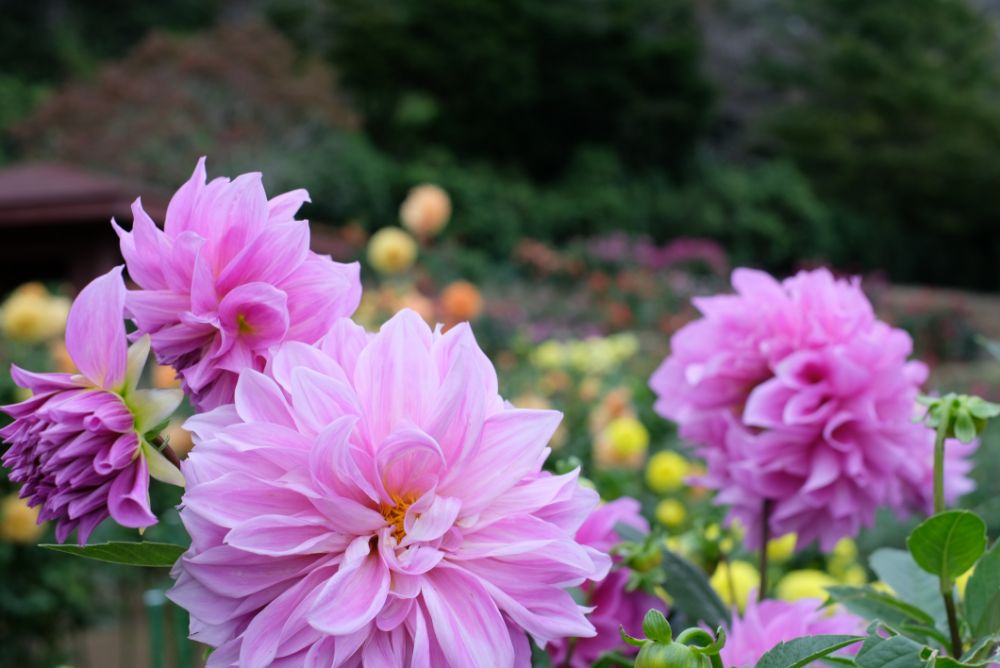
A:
(160, 467)
(95, 331)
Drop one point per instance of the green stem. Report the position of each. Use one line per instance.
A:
(716, 661)
(765, 538)
(166, 450)
(939, 439)
(949, 606)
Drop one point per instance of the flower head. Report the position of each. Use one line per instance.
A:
(31, 315)
(372, 498)
(426, 210)
(392, 251)
(798, 396)
(764, 624)
(613, 604)
(228, 277)
(77, 443)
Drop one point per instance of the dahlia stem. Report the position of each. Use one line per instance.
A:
(765, 538)
(167, 451)
(939, 439)
(949, 606)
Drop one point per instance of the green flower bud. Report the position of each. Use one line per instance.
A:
(673, 655)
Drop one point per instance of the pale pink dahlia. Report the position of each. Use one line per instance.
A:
(764, 624)
(372, 500)
(77, 444)
(613, 604)
(797, 395)
(230, 276)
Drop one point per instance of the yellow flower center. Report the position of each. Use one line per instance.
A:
(396, 514)
(242, 324)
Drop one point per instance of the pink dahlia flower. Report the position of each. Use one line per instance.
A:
(230, 276)
(77, 444)
(764, 624)
(373, 500)
(797, 395)
(612, 604)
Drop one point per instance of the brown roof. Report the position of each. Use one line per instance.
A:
(34, 193)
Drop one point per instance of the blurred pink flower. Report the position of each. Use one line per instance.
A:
(613, 605)
(76, 444)
(230, 276)
(373, 499)
(764, 624)
(797, 395)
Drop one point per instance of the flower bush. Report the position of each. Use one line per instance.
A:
(358, 492)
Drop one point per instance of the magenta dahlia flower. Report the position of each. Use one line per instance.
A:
(373, 500)
(798, 396)
(764, 624)
(612, 604)
(230, 276)
(77, 444)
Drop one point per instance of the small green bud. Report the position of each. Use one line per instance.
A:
(672, 655)
(645, 559)
(965, 416)
(656, 627)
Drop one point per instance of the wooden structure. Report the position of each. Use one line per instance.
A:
(55, 222)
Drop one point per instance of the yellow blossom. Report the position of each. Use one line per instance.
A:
(781, 549)
(733, 581)
(671, 513)
(18, 521)
(32, 315)
(627, 437)
(805, 583)
(548, 355)
(391, 251)
(666, 471)
(854, 575)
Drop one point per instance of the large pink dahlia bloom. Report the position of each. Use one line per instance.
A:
(77, 444)
(372, 500)
(764, 624)
(613, 604)
(796, 394)
(228, 277)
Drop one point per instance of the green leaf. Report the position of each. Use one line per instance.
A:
(131, 554)
(982, 594)
(688, 586)
(629, 533)
(949, 543)
(894, 652)
(911, 583)
(965, 428)
(803, 651)
(876, 605)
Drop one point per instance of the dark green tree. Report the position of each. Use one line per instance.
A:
(523, 82)
(893, 108)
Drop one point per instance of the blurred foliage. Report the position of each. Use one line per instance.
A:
(239, 93)
(521, 83)
(893, 109)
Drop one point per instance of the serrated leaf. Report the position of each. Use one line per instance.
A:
(688, 586)
(894, 652)
(146, 553)
(911, 583)
(949, 543)
(802, 652)
(876, 605)
(982, 594)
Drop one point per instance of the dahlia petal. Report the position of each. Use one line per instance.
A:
(181, 205)
(95, 333)
(128, 497)
(259, 399)
(277, 251)
(286, 205)
(512, 444)
(431, 523)
(394, 375)
(467, 624)
(256, 313)
(160, 467)
(409, 462)
(352, 598)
